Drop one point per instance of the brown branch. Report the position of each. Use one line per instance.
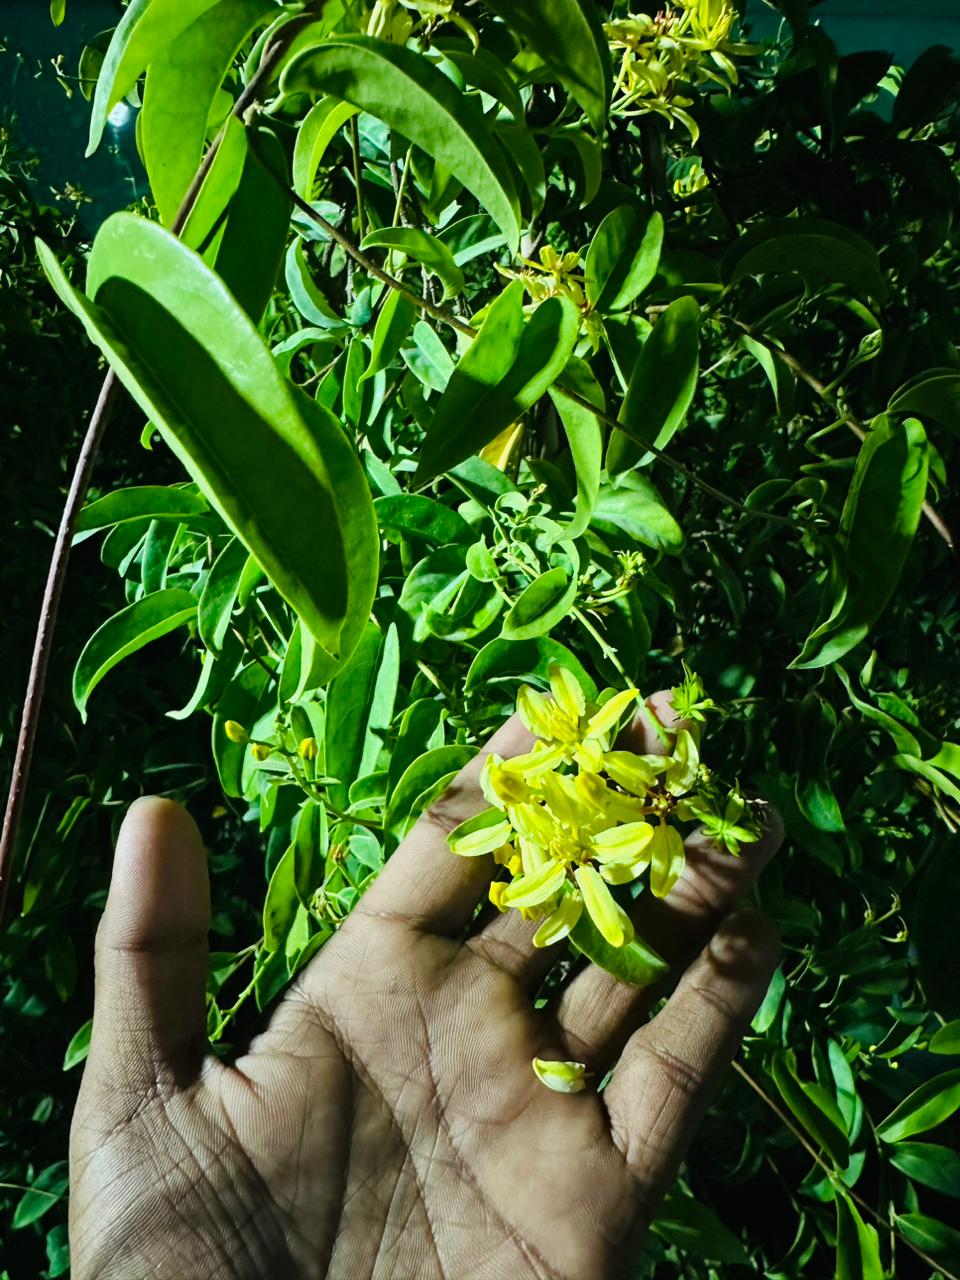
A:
(830, 1171)
(80, 483)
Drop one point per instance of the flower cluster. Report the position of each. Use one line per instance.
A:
(688, 44)
(576, 815)
(556, 275)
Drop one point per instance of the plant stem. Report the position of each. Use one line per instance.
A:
(355, 147)
(79, 484)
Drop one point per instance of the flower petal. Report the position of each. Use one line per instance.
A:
(623, 872)
(559, 923)
(609, 917)
(530, 891)
(589, 755)
(565, 687)
(623, 843)
(562, 799)
(534, 823)
(603, 721)
(480, 834)
(634, 772)
(538, 713)
(685, 760)
(533, 763)
(667, 857)
(561, 1077)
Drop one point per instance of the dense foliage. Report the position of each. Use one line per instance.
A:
(603, 339)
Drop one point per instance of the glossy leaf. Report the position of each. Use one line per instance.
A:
(155, 501)
(584, 437)
(933, 395)
(219, 595)
(879, 520)
(934, 1237)
(125, 633)
(541, 605)
(506, 369)
(696, 1229)
(145, 30)
(858, 1245)
(632, 509)
(423, 248)
(569, 37)
(182, 80)
(186, 352)
(925, 1108)
(399, 87)
(662, 386)
(416, 516)
(623, 258)
(397, 317)
(419, 781)
(814, 786)
(501, 660)
(929, 1164)
(359, 707)
(947, 1039)
(813, 1107)
(635, 962)
(320, 126)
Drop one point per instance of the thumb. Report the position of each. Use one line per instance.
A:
(149, 1022)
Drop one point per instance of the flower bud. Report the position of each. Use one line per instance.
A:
(561, 1077)
(235, 732)
(308, 749)
(261, 751)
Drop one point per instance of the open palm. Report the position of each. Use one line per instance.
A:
(388, 1123)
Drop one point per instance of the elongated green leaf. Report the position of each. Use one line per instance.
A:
(320, 126)
(423, 248)
(127, 631)
(310, 844)
(696, 1229)
(934, 395)
(219, 595)
(506, 369)
(396, 319)
(501, 660)
(58, 11)
(79, 1046)
(281, 902)
(631, 508)
(569, 37)
(858, 1245)
(418, 784)
(145, 30)
(929, 1164)
(181, 82)
(925, 1108)
(814, 787)
(623, 258)
(584, 437)
(635, 962)
(405, 91)
(947, 1039)
(305, 294)
(355, 703)
(819, 251)
(931, 1235)
(276, 466)
(156, 501)
(661, 388)
(540, 606)
(879, 520)
(416, 516)
(813, 1107)
(48, 1188)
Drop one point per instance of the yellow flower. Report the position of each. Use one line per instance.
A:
(261, 751)
(562, 722)
(667, 859)
(308, 749)
(235, 732)
(561, 1077)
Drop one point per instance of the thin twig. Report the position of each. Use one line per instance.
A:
(79, 484)
(830, 1171)
(355, 148)
(843, 415)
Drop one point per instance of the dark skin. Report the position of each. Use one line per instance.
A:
(387, 1123)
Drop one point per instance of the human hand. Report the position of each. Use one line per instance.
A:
(388, 1123)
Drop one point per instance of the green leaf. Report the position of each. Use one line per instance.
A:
(813, 1107)
(929, 1164)
(359, 708)
(947, 1039)
(935, 395)
(814, 785)
(541, 605)
(46, 1191)
(310, 844)
(819, 251)
(276, 465)
(145, 30)
(661, 388)
(506, 369)
(858, 1245)
(623, 258)
(182, 80)
(305, 294)
(634, 962)
(423, 248)
(501, 660)
(935, 1101)
(569, 37)
(79, 1046)
(154, 501)
(428, 359)
(125, 633)
(631, 509)
(419, 782)
(400, 87)
(584, 437)
(320, 126)
(416, 516)
(879, 520)
(935, 1238)
(696, 1229)
(58, 11)
(219, 596)
(281, 902)
(396, 319)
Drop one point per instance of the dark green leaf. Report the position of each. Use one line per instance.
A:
(416, 516)
(418, 783)
(219, 595)
(423, 248)
(858, 1245)
(696, 1229)
(929, 1164)
(634, 962)
(541, 605)
(397, 317)
(584, 437)
(320, 126)
(814, 785)
(935, 395)
(47, 1189)
(153, 501)
(935, 1101)
(631, 509)
(935, 1238)
(623, 258)
(813, 1107)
